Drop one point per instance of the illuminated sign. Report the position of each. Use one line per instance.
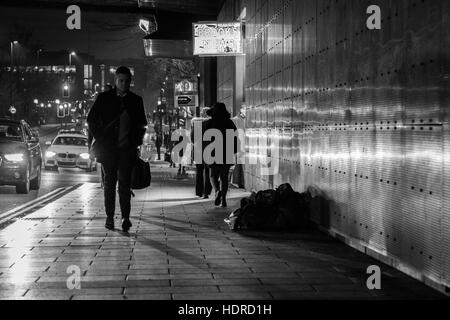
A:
(217, 38)
(185, 86)
(144, 24)
(148, 26)
(186, 100)
(186, 93)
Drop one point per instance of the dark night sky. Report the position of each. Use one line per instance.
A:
(95, 36)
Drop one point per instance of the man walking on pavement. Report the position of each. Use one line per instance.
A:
(118, 123)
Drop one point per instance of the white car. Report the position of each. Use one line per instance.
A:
(69, 150)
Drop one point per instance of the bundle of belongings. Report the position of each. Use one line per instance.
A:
(280, 209)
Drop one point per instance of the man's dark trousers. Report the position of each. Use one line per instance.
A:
(203, 185)
(118, 168)
(220, 172)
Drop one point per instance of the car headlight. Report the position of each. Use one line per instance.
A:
(50, 154)
(85, 156)
(16, 157)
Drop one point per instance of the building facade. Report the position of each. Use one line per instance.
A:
(359, 117)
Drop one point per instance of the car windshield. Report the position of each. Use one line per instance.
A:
(71, 141)
(11, 132)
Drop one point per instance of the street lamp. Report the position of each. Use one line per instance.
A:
(161, 98)
(66, 91)
(12, 66)
(12, 51)
(197, 107)
(70, 57)
(37, 60)
(36, 101)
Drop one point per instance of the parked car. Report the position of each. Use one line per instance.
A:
(69, 150)
(20, 156)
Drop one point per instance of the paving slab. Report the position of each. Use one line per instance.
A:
(179, 248)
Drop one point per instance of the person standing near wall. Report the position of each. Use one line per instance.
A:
(219, 169)
(203, 185)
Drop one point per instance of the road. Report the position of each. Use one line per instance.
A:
(51, 180)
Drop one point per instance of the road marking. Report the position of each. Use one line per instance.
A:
(6, 216)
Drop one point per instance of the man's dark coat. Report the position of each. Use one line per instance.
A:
(105, 110)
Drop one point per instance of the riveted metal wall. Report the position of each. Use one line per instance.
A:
(225, 80)
(361, 118)
(444, 102)
(226, 73)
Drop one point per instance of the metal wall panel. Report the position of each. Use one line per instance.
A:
(445, 103)
(361, 116)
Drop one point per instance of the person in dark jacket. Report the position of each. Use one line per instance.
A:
(221, 120)
(158, 144)
(117, 122)
(203, 187)
(181, 167)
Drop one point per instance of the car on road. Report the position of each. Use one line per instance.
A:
(20, 156)
(69, 150)
(71, 131)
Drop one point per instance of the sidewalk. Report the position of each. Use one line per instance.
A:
(179, 248)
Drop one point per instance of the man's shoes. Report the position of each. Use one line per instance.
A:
(205, 196)
(224, 203)
(126, 225)
(218, 197)
(109, 223)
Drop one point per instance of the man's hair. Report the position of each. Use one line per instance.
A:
(123, 70)
(219, 111)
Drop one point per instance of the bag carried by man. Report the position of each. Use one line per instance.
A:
(167, 156)
(141, 176)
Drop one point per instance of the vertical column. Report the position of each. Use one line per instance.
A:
(238, 88)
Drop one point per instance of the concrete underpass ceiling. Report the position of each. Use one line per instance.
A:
(174, 17)
(190, 7)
